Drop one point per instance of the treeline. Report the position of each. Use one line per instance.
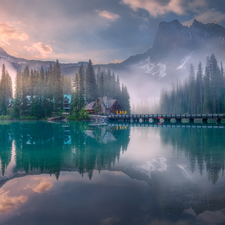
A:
(5, 90)
(92, 85)
(203, 92)
(38, 93)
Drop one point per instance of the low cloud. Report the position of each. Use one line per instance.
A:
(41, 48)
(8, 203)
(108, 15)
(158, 8)
(8, 32)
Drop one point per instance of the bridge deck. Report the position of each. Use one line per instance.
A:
(167, 116)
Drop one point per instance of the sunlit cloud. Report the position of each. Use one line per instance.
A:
(108, 15)
(42, 185)
(8, 32)
(158, 8)
(40, 48)
(8, 203)
(209, 16)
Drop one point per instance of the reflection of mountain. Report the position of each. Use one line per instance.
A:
(50, 148)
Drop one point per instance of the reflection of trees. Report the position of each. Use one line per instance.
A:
(38, 146)
(49, 147)
(91, 151)
(5, 147)
(204, 146)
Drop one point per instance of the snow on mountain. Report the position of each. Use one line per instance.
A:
(185, 61)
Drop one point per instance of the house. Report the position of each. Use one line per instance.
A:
(90, 107)
(105, 105)
(66, 102)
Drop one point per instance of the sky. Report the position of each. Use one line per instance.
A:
(106, 31)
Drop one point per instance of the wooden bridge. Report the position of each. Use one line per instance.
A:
(173, 118)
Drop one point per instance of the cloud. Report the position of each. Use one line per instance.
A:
(7, 203)
(41, 48)
(155, 8)
(108, 15)
(209, 16)
(7, 32)
(42, 186)
(158, 8)
(143, 27)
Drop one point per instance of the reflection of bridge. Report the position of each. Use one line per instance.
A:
(123, 125)
(184, 118)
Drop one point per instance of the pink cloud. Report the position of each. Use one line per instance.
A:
(156, 8)
(7, 203)
(41, 48)
(7, 32)
(109, 15)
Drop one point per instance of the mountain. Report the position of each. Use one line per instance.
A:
(176, 46)
(19, 63)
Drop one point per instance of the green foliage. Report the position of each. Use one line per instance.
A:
(80, 115)
(5, 117)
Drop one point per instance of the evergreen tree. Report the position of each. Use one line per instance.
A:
(91, 85)
(101, 86)
(199, 89)
(58, 87)
(3, 89)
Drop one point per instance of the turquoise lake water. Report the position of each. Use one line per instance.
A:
(82, 173)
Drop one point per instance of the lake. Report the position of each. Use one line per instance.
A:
(82, 173)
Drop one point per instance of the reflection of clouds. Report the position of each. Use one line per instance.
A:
(110, 221)
(7, 203)
(118, 173)
(43, 185)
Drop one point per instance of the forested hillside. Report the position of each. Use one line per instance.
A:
(203, 92)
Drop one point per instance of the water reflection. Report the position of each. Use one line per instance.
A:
(203, 148)
(50, 148)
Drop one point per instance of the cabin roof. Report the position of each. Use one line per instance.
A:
(90, 106)
(108, 102)
(67, 96)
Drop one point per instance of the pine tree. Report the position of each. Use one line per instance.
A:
(192, 103)
(91, 85)
(58, 87)
(3, 88)
(101, 86)
(199, 89)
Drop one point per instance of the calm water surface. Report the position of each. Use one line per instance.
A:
(78, 173)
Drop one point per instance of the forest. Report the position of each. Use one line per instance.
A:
(39, 93)
(203, 92)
